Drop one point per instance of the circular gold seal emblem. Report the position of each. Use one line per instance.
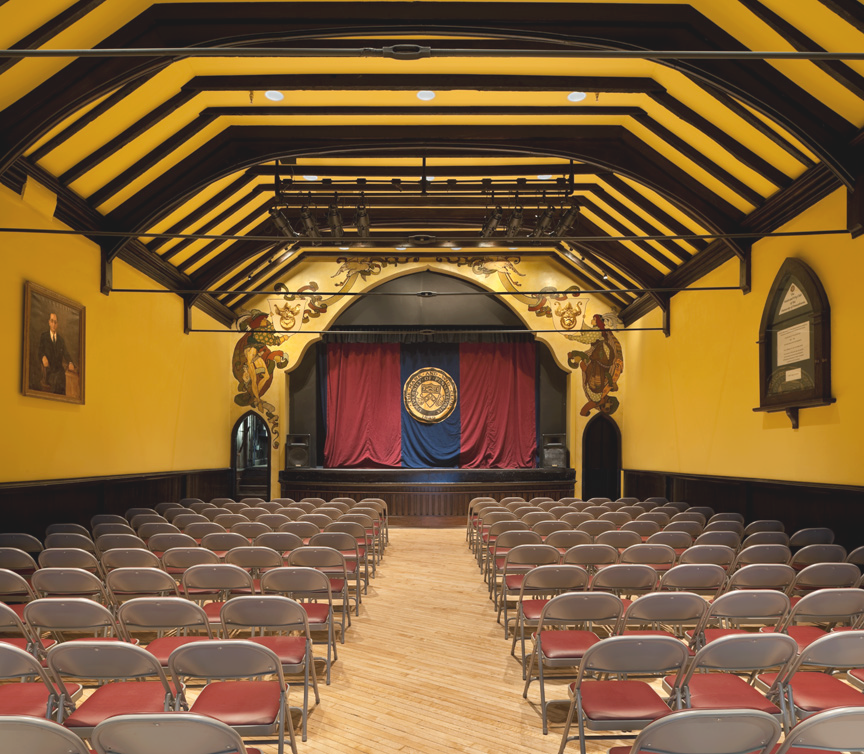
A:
(429, 395)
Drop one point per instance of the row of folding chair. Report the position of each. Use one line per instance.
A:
(250, 695)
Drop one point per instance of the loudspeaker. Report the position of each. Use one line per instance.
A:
(297, 454)
(553, 453)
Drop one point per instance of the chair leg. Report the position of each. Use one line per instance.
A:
(565, 735)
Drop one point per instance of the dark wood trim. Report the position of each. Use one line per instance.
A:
(265, 228)
(427, 492)
(31, 505)
(797, 504)
(849, 10)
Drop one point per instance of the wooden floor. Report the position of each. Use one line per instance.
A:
(425, 668)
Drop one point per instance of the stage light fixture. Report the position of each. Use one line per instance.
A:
(544, 223)
(334, 220)
(361, 220)
(282, 224)
(309, 224)
(514, 224)
(567, 220)
(491, 222)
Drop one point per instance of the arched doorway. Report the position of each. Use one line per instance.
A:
(601, 458)
(250, 457)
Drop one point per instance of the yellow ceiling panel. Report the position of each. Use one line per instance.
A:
(668, 207)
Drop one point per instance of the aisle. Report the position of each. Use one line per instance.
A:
(425, 667)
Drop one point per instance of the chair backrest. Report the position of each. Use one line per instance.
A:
(219, 576)
(722, 555)
(169, 540)
(574, 518)
(531, 555)
(581, 608)
(618, 538)
(269, 611)
(689, 516)
(667, 608)
(840, 729)
(280, 541)
(113, 518)
(212, 513)
(564, 540)
(125, 583)
(317, 557)
(534, 518)
(825, 575)
(677, 540)
(101, 529)
(727, 516)
(821, 553)
(68, 557)
(735, 526)
(254, 558)
(223, 541)
(655, 555)
(554, 578)
(160, 733)
(13, 559)
(69, 614)
(763, 605)
(161, 508)
(177, 559)
(303, 529)
(270, 505)
(727, 538)
(70, 539)
(13, 586)
(251, 529)
(104, 661)
(762, 554)
(693, 528)
(33, 734)
(703, 578)
(184, 519)
(642, 528)
(763, 524)
(762, 576)
(273, 520)
(163, 613)
(517, 537)
(639, 655)
(147, 530)
(625, 578)
(657, 517)
(229, 519)
(812, 536)
(765, 538)
(591, 556)
(68, 528)
(57, 582)
(596, 527)
(545, 528)
(296, 581)
(234, 658)
(826, 606)
(110, 541)
(724, 731)
(254, 512)
(743, 653)
(129, 557)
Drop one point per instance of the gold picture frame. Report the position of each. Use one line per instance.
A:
(53, 349)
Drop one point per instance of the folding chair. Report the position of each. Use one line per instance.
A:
(761, 554)
(517, 562)
(820, 553)
(732, 610)
(75, 615)
(812, 683)
(110, 541)
(348, 546)
(69, 557)
(30, 734)
(596, 526)
(812, 536)
(102, 529)
(364, 547)
(574, 518)
(27, 689)
(761, 576)
(70, 539)
(283, 615)
(727, 516)
(828, 607)
(557, 649)
(15, 590)
(644, 529)
(762, 525)
(619, 539)
(69, 582)
(663, 614)
(625, 580)
(249, 704)
(603, 704)
(303, 529)
(839, 729)
(281, 542)
(213, 585)
(824, 576)
(125, 584)
(499, 547)
(538, 587)
(564, 540)
(157, 734)
(66, 529)
(729, 539)
(160, 543)
(221, 542)
(591, 557)
(21, 635)
(707, 579)
(107, 664)
(255, 559)
(332, 563)
(659, 556)
(147, 530)
(707, 732)
(713, 679)
(311, 588)
(765, 538)
(186, 621)
(177, 559)
(658, 517)
(719, 554)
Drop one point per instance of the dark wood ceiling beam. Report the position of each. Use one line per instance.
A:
(122, 180)
(623, 230)
(610, 148)
(238, 184)
(51, 29)
(411, 82)
(698, 158)
(741, 153)
(649, 208)
(654, 27)
(673, 247)
(851, 11)
(85, 120)
(836, 69)
(231, 209)
(114, 145)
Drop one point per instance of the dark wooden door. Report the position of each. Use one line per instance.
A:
(601, 458)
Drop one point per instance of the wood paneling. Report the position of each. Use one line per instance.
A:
(427, 492)
(797, 504)
(31, 506)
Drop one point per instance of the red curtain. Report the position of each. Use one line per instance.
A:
(364, 398)
(497, 399)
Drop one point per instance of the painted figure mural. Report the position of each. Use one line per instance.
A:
(601, 364)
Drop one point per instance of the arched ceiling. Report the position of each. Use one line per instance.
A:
(190, 144)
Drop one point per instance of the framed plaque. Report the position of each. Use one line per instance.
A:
(795, 343)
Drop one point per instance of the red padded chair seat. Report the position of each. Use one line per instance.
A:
(514, 581)
(121, 698)
(622, 700)
(803, 635)
(17, 608)
(30, 699)
(239, 702)
(212, 609)
(291, 650)
(337, 585)
(317, 612)
(532, 609)
(560, 645)
(23, 643)
(857, 674)
(726, 691)
(162, 647)
(814, 692)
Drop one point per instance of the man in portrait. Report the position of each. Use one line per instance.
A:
(54, 358)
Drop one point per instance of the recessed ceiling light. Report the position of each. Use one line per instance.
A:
(576, 96)
(401, 248)
(544, 177)
(274, 96)
(310, 177)
(426, 95)
(513, 248)
(456, 248)
(344, 248)
(430, 177)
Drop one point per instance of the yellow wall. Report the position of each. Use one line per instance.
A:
(156, 399)
(690, 397)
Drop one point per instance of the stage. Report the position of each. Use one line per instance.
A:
(427, 497)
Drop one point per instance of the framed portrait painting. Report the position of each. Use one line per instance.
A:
(53, 352)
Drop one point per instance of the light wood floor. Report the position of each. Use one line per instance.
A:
(425, 668)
